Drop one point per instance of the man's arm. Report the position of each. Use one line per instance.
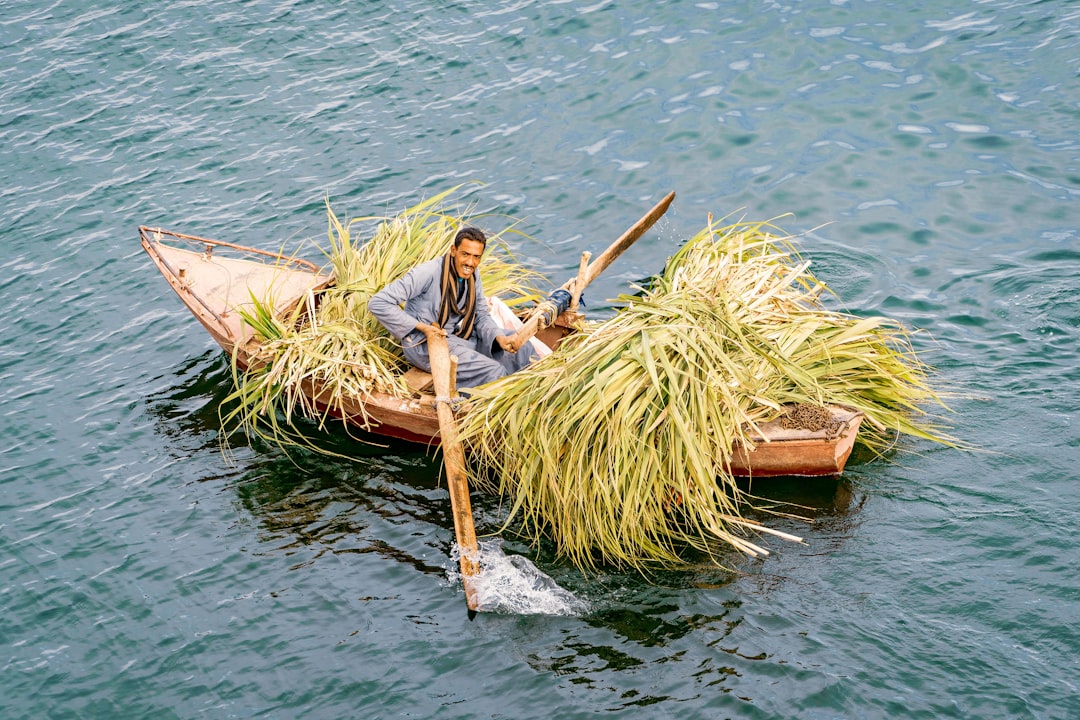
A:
(386, 304)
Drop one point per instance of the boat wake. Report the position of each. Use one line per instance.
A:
(512, 585)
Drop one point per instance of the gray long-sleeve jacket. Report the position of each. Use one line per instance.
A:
(419, 292)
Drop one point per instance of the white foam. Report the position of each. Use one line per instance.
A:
(512, 585)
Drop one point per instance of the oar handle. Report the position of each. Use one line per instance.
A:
(597, 266)
(579, 281)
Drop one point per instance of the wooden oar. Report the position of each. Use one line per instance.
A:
(597, 266)
(627, 239)
(442, 373)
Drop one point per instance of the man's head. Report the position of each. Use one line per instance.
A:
(469, 244)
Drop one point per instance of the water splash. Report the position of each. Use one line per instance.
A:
(512, 585)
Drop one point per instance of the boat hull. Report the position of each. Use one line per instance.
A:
(784, 452)
(216, 290)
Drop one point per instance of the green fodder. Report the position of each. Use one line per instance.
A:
(616, 447)
(332, 343)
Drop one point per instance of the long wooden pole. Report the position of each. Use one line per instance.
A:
(597, 266)
(627, 239)
(442, 373)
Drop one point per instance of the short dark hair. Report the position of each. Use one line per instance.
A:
(470, 233)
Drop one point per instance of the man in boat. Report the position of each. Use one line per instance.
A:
(444, 296)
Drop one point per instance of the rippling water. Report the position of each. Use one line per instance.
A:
(928, 158)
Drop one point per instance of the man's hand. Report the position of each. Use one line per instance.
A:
(508, 343)
(429, 330)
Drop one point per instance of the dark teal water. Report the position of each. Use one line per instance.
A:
(928, 156)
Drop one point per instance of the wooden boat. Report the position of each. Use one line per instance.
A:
(217, 279)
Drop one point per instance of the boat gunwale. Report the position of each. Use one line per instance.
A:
(146, 230)
(152, 241)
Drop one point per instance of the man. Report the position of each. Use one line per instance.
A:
(444, 296)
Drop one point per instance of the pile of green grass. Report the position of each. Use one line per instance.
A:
(332, 342)
(616, 447)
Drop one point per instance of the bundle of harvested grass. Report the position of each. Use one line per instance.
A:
(332, 342)
(617, 446)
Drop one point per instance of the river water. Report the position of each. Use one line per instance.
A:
(928, 158)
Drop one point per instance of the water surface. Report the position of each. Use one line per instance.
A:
(927, 158)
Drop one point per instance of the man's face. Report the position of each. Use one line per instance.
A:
(466, 257)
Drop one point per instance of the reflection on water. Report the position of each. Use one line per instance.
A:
(389, 503)
(637, 627)
(310, 502)
(188, 409)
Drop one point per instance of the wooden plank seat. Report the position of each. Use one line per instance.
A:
(419, 381)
